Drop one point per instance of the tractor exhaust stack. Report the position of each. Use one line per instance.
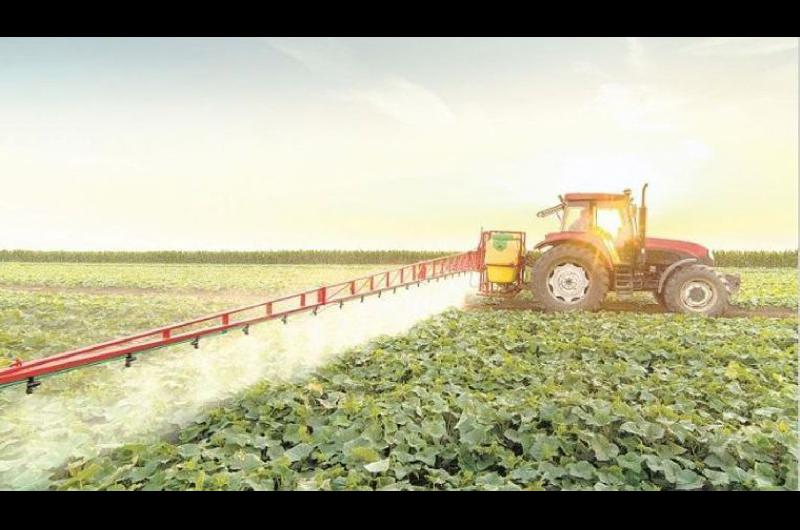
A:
(643, 216)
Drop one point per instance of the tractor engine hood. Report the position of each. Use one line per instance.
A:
(674, 245)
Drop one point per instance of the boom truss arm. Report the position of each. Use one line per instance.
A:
(241, 317)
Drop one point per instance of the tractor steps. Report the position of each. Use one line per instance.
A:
(623, 281)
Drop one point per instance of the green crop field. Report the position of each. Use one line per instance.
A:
(179, 278)
(49, 307)
(469, 399)
(503, 400)
(766, 287)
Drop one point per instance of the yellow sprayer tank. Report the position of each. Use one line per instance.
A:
(502, 257)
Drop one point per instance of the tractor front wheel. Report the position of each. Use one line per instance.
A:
(569, 278)
(696, 290)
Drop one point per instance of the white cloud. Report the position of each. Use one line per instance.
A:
(636, 107)
(693, 150)
(327, 56)
(741, 46)
(589, 69)
(636, 58)
(391, 95)
(404, 101)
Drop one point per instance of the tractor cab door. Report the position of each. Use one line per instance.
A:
(614, 222)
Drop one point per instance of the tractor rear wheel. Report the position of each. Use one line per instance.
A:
(697, 290)
(569, 278)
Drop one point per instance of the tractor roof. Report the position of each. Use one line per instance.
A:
(595, 197)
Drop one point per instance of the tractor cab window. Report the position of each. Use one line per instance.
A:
(612, 221)
(577, 218)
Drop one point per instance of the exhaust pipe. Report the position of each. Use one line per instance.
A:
(643, 224)
(643, 215)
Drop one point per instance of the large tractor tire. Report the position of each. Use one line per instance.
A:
(569, 278)
(696, 290)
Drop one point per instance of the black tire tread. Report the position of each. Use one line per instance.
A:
(671, 291)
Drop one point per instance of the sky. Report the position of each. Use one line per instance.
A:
(381, 143)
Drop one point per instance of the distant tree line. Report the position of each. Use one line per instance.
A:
(723, 258)
(756, 258)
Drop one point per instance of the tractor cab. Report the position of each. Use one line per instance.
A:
(608, 220)
(610, 216)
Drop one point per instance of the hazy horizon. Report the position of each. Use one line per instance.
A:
(389, 143)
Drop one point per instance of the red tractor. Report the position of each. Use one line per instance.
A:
(601, 247)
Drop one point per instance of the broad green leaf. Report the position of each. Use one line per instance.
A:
(630, 461)
(298, 452)
(582, 469)
(435, 428)
(688, 479)
(603, 449)
(189, 450)
(717, 478)
(365, 454)
(378, 466)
